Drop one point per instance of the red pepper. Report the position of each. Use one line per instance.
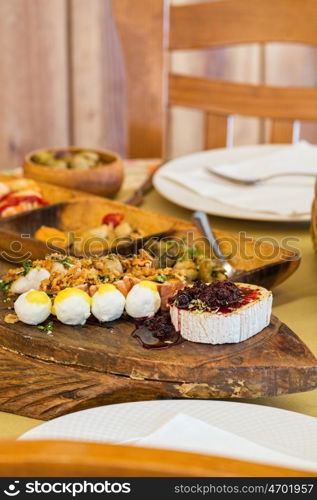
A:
(113, 219)
(12, 201)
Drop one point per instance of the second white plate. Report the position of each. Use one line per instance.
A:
(283, 431)
(186, 198)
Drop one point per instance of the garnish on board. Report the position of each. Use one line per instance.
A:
(103, 277)
(66, 261)
(5, 285)
(47, 328)
(27, 266)
(160, 278)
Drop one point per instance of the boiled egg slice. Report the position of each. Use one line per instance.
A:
(33, 307)
(72, 306)
(107, 303)
(143, 300)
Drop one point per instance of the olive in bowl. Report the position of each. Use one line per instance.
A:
(95, 171)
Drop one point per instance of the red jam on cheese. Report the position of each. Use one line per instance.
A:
(220, 297)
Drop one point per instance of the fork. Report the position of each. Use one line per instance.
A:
(200, 219)
(253, 182)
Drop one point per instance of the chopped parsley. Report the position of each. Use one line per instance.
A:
(103, 277)
(198, 305)
(62, 260)
(27, 266)
(161, 279)
(66, 263)
(5, 285)
(193, 252)
(47, 328)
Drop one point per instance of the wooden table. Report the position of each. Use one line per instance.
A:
(295, 303)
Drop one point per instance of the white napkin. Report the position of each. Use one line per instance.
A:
(186, 433)
(287, 196)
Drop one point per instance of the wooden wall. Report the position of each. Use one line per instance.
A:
(34, 107)
(62, 79)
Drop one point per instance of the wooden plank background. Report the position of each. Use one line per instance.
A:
(62, 80)
(34, 106)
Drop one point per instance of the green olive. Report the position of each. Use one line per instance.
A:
(91, 156)
(43, 157)
(62, 159)
(58, 164)
(79, 163)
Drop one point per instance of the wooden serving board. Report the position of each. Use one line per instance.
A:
(44, 376)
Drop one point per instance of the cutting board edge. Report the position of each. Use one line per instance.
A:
(42, 390)
(158, 370)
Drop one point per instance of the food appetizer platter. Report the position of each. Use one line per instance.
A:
(150, 317)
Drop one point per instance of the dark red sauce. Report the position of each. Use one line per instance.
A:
(219, 296)
(157, 332)
(249, 296)
(152, 333)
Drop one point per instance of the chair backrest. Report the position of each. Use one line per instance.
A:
(149, 31)
(79, 459)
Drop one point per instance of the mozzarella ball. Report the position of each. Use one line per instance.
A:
(143, 300)
(33, 307)
(72, 306)
(31, 281)
(107, 303)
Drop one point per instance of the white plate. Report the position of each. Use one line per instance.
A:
(281, 430)
(178, 194)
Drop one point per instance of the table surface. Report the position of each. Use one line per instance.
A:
(295, 302)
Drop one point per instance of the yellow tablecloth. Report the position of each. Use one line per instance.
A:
(295, 303)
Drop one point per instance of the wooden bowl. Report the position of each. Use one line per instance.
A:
(103, 181)
(314, 219)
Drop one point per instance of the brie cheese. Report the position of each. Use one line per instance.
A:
(230, 327)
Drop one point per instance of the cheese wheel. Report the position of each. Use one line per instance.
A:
(222, 328)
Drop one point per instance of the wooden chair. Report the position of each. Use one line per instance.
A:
(151, 30)
(79, 459)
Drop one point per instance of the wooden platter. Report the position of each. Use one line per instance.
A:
(44, 376)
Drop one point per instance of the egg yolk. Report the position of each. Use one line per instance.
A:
(71, 292)
(36, 297)
(148, 284)
(106, 288)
